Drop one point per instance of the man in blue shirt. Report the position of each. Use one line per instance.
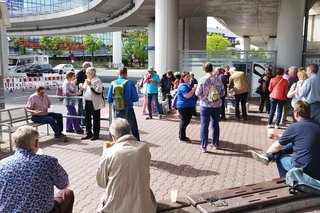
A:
(130, 96)
(310, 91)
(298, 146)
(153, 81)
(27, 179)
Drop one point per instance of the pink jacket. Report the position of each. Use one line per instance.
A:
(278, 88)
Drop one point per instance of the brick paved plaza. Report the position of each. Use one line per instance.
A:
(174, 165)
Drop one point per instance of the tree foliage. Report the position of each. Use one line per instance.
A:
(92, 44)
(217, 42)
(69, 43)
(51, 44)
(133, 46)
(19, 44)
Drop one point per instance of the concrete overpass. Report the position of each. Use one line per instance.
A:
(179, 24)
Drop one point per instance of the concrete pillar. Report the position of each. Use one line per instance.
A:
(272, 43)
(194, 32)
(116, 48)
(151, 37)
(166, 38)
(4, 51)
(289, 34)
(246, 43)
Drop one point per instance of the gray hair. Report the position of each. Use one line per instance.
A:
(91, 69)
(119, 127)
(293, 69)
(25, 137)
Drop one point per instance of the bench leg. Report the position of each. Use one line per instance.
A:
(47, 129)
(10, 141)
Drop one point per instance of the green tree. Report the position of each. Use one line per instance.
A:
(51, 44)
(133, 46)
(92, 44)
(19, 43)
(217, 42)
(258, 53)
(69, 43)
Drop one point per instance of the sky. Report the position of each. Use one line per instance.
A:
(212, 23)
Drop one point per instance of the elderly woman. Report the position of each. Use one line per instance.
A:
(69, 89)
(94, 101)
(186, 102)
(278, 88)
(210, 90)
(294, 89)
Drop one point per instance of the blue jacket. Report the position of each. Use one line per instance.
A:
(130, 92)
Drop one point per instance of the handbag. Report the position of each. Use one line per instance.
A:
(174, 102)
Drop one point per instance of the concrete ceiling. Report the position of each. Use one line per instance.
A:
(254, 18)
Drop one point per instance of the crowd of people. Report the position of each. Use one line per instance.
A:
(123, 170)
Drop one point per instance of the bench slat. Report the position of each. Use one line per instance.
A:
(166, 205)
(254, 200)
(236, 191)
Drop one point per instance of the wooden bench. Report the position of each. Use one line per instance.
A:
(253, 197)
(13, 118)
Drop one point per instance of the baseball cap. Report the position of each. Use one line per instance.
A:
(150, 68)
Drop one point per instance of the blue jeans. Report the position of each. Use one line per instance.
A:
(131, 118)
(54, 119)
(207, 114)
(276, 105)
(81, 111)
(283, 159)
(315, 112)
(153, 96)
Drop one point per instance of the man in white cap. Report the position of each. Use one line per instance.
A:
(152, 81)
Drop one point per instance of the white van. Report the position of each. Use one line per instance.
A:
(18, 63)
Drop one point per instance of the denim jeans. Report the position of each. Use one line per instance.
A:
(154, 97)
(315, 112)
(276, 105)
(241, 98)
(131, 118)
(207, 114)
(81, 111)
(54, 119)
(283, 159)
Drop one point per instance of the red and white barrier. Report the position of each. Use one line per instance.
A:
(11, 84)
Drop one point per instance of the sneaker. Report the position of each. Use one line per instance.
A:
(148, 118)
(276, 127)
(203, 150)
(86, 137)
(69, 130)
(269, 126)
(263, 157)
(213, 146)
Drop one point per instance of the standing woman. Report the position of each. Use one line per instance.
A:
(186, 102)
(210, 90)
(278, 95)
(264, 85)
(69, 89)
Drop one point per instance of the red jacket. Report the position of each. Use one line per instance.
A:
(278, 88)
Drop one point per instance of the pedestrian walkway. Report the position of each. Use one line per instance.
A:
(174, 165)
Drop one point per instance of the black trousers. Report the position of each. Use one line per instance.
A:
(264, 98)
(96, 119)
(186, 115)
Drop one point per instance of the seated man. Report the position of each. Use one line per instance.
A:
(27, 179)
(298, 146)
(124, 173)
(38, 105)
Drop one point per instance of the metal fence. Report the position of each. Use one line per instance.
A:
(251, 62)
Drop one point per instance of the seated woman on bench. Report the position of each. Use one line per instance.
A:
(38, 105)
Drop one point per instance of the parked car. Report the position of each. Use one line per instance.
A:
(63, 68)
(39, 69)
(20, 68)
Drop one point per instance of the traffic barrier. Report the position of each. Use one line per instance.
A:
(11, 84)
